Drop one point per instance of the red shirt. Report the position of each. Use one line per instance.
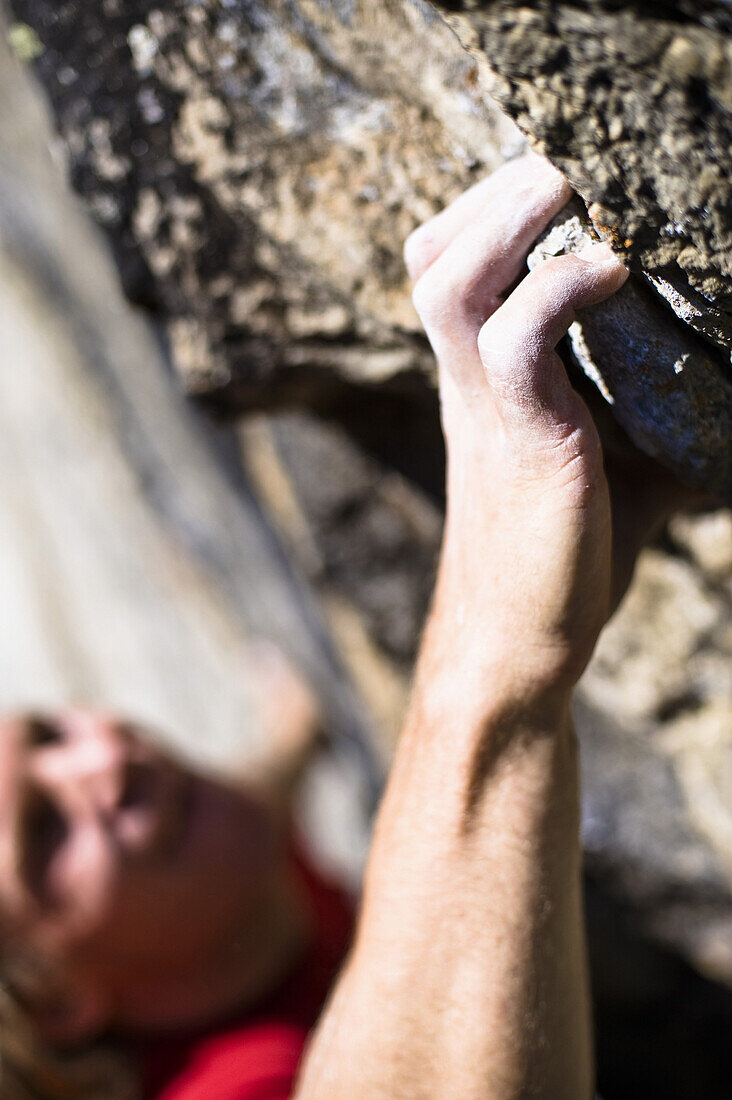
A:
(256, 1056)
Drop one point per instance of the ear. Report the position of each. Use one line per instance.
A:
(71, 1012)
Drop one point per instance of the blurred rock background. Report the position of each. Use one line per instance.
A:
(143, 549)
(139, 572)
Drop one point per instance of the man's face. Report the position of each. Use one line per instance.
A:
(115, 859)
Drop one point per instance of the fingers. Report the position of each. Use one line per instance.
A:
(516, 345)
(466, 283)
(496, 353)
(527, 172)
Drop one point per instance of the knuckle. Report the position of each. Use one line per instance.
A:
(419, 251)
(449, 294)
(561, 275)
(493, 348)
(429, 297)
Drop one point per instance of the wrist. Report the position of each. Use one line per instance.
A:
(526, 586)
(480, 691)
(493, 655)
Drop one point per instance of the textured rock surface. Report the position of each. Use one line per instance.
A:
(667, 389)
(634, 102)
(655, 712)
(258, 166)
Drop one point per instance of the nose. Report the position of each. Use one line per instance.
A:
(84, 768)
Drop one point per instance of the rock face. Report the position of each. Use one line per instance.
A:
(655, 712)
(633, 101)
(258, 166)
(654, 375)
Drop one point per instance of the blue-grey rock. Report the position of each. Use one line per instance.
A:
(668, 388)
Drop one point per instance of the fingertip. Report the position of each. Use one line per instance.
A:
(543, 167)
(601, 254)
(598, 252)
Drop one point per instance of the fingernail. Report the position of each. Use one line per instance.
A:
(598, 253)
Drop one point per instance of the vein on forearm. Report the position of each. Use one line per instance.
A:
(501, 736)
(492, 740)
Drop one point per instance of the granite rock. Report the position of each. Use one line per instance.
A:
(633, 101)
(666, 387)
(258, 167)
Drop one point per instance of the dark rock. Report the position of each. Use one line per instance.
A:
(259, 165)
(666, 387)
(633, 101)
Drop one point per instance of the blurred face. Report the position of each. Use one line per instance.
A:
(115, 859)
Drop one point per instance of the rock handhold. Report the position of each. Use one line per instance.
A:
(633, 101)
(669, 390)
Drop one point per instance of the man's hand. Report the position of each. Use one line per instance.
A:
(526, 566)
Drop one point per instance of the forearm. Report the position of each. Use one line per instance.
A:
(468, 976)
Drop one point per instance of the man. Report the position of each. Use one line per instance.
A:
(155, 912)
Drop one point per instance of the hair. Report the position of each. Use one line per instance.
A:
(31, 1070)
